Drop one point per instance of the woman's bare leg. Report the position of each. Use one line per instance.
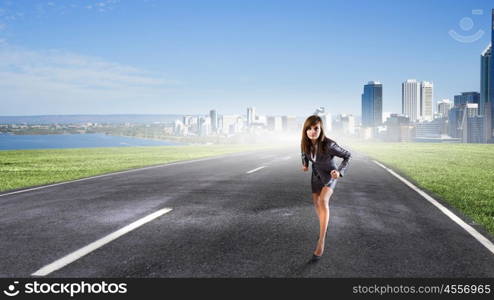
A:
(315, 199)
(323, 208)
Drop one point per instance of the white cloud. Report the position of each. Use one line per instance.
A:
(28, 76)
(10, 13)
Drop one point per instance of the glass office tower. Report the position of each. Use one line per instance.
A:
(486, 107)
(372, 104)
(491, 76)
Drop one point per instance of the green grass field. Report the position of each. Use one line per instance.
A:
(461, 174)
(24, 168)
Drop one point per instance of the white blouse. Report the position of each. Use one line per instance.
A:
(313, 156)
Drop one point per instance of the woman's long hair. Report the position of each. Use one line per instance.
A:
(306, 144)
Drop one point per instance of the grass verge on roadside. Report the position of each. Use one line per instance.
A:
(25, 168)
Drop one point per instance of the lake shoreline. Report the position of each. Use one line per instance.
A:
(10, 141)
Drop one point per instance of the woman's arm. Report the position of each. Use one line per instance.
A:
(305, 160)
(336, 150)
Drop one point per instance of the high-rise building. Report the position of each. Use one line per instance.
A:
(465, 123)
(428, 130)
(348, 124)
(326, 118)
(204, 126)
(410, 99)
(486, 106)
(214, 120)
(180, 128)
(191, 122)
(473, 131)
(467, 97)
(231, 124)
(416, 100)
(471, 124)
(398, 128)
(426, 94)
(251, 115)
(443, 107)
(289, 123)
(454, 121)
(372, 104)
(485, 58)
(491, 79)
(274, 123)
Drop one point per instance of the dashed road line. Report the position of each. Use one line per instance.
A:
(256, 169)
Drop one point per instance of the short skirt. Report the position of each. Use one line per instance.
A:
(317, 184)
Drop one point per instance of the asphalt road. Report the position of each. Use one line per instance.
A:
(226, 222)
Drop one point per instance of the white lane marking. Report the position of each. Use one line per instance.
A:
(62, 262)
(256, 169)
(267, 156)
(478, 236)
(126, 171)
(278, 159)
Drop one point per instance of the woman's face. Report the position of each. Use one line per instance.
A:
(314, 131)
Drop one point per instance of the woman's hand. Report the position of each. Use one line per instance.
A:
(335, 174)
(305, 168)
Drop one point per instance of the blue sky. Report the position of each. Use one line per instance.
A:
(282, 57)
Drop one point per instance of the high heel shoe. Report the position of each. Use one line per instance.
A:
(315, 258)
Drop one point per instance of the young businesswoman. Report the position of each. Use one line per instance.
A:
(320, 151)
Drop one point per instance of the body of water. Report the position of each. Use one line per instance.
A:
(22, 142)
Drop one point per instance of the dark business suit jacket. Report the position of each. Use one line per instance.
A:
(325, 162)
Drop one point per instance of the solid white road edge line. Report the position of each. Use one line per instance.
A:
(62, 262)
(256, 169)
(479, 237)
